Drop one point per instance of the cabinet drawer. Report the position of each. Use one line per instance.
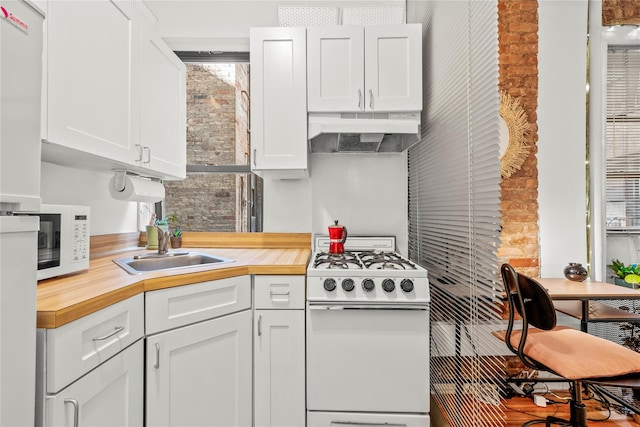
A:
(183, 305)
(279, 292)
(77, 347)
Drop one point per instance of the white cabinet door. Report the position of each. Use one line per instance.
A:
(279, 101)
(279, 368)
(110, 395)
(393, 67)
(201, 375)
(163, 113)
(20, 108)
(335, 69)
(90, 82)
(365, 69)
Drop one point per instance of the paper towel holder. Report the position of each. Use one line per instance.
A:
(120, 178)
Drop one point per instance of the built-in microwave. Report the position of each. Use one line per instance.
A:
(63, 239)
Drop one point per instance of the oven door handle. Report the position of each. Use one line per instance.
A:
(367, 307)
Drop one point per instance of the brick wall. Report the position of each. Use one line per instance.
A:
(616, 12)
(217, 118)
(518, 61)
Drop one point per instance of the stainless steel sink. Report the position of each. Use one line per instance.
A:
(169, 261)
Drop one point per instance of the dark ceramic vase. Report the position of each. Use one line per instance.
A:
(575, 271)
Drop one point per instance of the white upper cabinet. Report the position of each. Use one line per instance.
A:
(163, 114)
(279, 102)
(364, 69)
(90, 71)
(114, 93)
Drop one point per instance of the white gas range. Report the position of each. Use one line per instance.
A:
(367, 336)
(369, 271)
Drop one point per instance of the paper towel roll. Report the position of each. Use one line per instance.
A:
(137, 190)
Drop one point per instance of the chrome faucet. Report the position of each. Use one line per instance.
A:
(163, 240)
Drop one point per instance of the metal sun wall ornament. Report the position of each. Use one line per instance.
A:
(514, 126)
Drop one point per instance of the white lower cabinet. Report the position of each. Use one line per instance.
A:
(110, 395)
(279, 351)
(90, 371)
(208, 359)
(200, 374)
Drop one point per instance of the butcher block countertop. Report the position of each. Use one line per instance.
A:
(67, 298)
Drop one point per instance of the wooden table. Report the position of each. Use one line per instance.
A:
(579, 299)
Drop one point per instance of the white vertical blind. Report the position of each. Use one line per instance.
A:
(623, 139)
(454, 206)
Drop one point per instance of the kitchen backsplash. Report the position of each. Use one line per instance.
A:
(366, 192)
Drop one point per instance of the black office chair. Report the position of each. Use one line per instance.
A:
(569, 353)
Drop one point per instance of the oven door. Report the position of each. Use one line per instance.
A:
(368, 358)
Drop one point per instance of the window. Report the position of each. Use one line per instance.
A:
(219, 193)
(622, 139)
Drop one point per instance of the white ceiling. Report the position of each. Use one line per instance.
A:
(223, 24)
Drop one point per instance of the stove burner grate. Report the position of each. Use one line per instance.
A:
(347, 260)
(385, 261)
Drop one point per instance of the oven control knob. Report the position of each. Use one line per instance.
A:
(407, 285)
(347, 285)
(329, 284)
(388, 285)
(368, 285)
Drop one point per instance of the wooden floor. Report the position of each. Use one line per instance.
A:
(521, 409)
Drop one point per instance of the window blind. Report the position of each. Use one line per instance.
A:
(622, 135)
(454, 207)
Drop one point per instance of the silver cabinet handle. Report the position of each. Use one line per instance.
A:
(148, 151)
(76, 410)
(272, 293)
(157, 364)
(110, 334)
(139, 148)
(254, 157)
(359, 99)
(370, 99)
(260, 325)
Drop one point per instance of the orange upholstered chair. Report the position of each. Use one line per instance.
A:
(572, 354)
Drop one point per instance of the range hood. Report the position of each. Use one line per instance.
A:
(362, 132)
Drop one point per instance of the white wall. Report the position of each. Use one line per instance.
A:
(68, 186)
(561, 134)
(366, 192)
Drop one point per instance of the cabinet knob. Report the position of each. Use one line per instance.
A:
(370, 99)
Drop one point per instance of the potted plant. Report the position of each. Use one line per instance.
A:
(172, 223)
(627, 276)
(176, 238)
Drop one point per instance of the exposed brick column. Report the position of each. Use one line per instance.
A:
(518, 60)
(616, 12)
